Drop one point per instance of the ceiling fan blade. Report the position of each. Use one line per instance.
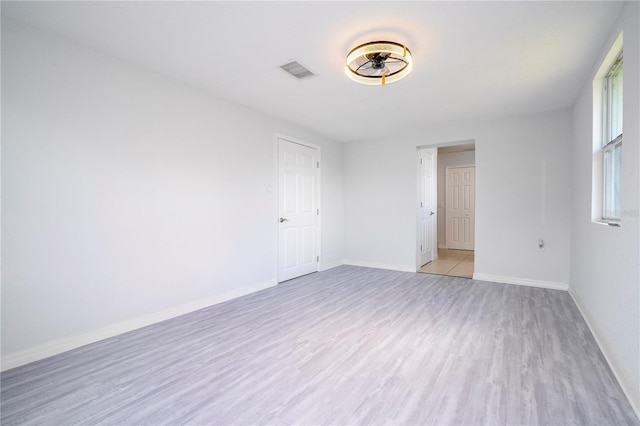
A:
(396, 60)
(360, 67)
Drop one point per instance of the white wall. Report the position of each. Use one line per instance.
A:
(451, 159)
(605, 261)
(128, 197)
(522, 193)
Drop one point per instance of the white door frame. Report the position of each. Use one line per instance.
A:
(276, 215)
(438, 146)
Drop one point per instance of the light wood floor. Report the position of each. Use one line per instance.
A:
(347, 346)
(454, 263)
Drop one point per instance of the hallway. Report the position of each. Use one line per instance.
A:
(454, 263)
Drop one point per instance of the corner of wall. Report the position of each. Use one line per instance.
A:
(628, 387)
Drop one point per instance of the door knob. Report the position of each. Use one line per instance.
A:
(431, 213)
(282, 219)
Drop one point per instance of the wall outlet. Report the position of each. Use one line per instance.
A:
(540, 244)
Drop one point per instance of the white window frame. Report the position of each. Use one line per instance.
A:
(608, 192)
(611, 142)
(607, 148)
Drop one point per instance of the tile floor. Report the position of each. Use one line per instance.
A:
(455, 263)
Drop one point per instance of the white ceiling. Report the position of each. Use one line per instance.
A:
(473, 60)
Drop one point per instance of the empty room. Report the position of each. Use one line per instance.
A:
(336, 213)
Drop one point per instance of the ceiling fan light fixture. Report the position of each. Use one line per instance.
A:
(378, 63)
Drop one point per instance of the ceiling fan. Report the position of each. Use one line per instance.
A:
(378, 62)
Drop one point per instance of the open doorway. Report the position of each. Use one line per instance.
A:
(455, 253)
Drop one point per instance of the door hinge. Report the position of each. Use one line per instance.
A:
(420, 247)
(317, 258)
(318, 212)
(318, 164)
(420, 203)
(421, 161)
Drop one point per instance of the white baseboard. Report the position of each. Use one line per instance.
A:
(401, 268)
(329, 265)
(630, 390)
(64, 344)
(521, 281)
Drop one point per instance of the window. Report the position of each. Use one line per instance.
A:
(606, 166)
(612, 141)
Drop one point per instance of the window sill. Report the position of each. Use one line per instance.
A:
(611, 223)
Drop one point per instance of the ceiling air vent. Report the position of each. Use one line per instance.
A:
(298, 71)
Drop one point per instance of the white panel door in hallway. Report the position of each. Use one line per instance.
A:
(298, 209)
(426, 219)
(460, 208)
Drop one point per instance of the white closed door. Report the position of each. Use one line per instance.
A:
(460, 208)
(426, 216)
(298, 210)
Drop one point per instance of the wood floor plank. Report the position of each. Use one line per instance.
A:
(350, 346)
